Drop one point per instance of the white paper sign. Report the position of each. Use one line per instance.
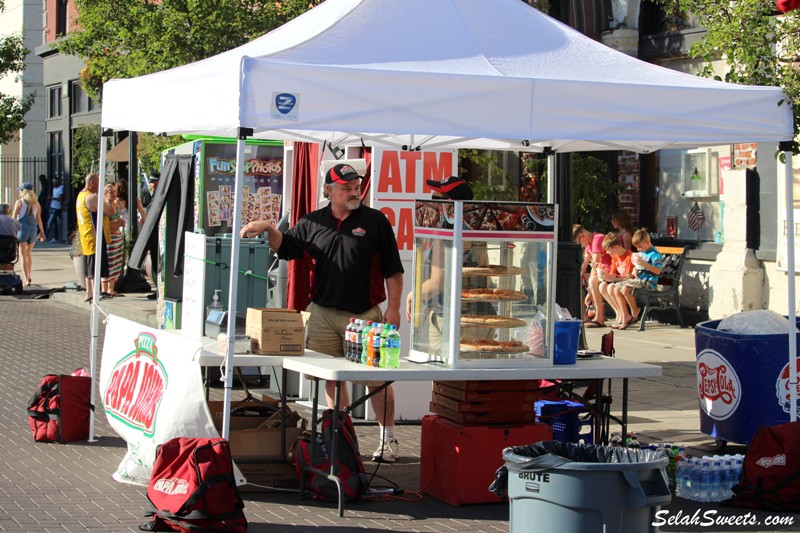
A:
(152, 391)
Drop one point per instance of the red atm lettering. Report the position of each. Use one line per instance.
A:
(436, 166)
(404, 226)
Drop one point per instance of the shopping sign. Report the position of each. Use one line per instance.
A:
(718, 387)
(783, 388)
(152, 391)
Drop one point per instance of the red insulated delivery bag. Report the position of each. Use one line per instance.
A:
(60, 409)
(192, 488)
(771, 470)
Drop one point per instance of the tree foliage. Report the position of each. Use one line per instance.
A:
(85, 153)
(12, 108)
(759, 45)
(128, 38)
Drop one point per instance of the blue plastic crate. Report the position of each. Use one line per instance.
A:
(571, 421)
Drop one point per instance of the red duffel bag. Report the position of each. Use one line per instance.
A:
(192, 488)
(60, 409)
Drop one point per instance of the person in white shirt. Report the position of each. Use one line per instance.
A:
(54, 215)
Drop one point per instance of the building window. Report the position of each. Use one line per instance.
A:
(688, 178)
(54, 101)
(61, 17)
(81, 102)
(55, 152)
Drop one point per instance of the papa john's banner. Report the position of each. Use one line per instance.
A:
(152, 391)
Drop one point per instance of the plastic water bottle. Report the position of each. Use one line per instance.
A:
(680, 478)
(692, 480)
(717, 491)
(365, 341)
(704, 490)
(349, 341)
(391, 355)
(730, 479)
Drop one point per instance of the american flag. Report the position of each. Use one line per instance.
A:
(696, 217)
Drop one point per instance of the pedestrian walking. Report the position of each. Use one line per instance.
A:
(53, 228)
(28, 212)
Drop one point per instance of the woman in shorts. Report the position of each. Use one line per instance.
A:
(28, 213)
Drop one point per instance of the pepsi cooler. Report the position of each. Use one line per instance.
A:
(742, 381)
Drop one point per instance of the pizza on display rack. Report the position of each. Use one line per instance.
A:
(487, 294)
(492, 321)
(491, 345)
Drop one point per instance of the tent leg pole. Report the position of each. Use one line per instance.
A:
(233, 284)
(787, 147)
(98, 247)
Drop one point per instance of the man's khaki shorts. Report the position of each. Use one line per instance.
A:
(326, 327)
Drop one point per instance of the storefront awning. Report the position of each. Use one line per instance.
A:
(119, 154)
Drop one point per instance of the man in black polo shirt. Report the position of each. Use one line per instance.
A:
(355, 252)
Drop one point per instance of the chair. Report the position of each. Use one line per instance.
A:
(594, 401)
(666, 295)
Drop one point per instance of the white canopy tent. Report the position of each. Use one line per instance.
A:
(425, 74)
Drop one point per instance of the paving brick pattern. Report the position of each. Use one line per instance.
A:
(57, 487)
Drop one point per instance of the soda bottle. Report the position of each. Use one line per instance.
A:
(357, 346)
(348, 339)
(375, 345)
(392, 353)
(365, 341)
(380, 355)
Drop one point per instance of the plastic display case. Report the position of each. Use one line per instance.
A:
(483, 283)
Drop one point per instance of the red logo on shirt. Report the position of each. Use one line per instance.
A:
(359, 232)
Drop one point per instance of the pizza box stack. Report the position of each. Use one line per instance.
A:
(485, 402)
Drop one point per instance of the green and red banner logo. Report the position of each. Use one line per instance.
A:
(137, 385)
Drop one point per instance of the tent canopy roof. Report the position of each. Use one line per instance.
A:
(443, 73)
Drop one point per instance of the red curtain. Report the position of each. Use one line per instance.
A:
(785, 6)
(306, 165)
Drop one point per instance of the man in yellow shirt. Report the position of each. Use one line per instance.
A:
(86, 210)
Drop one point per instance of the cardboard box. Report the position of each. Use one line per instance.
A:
(275, 331)
(265, 476)
(255, 438)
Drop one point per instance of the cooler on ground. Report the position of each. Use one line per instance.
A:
(458, 462)
(742, 381)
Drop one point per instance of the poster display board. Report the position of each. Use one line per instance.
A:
(262, 191)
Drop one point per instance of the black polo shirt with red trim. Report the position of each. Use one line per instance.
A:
(352, 257)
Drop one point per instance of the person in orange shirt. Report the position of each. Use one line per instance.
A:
(621, 269)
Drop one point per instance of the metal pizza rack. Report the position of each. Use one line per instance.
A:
(483, 283)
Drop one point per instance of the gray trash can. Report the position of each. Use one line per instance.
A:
(566, 487)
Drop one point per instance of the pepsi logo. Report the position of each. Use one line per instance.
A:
(719, 389)
(783, 388)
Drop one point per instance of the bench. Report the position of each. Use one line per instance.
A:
(666, 295)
